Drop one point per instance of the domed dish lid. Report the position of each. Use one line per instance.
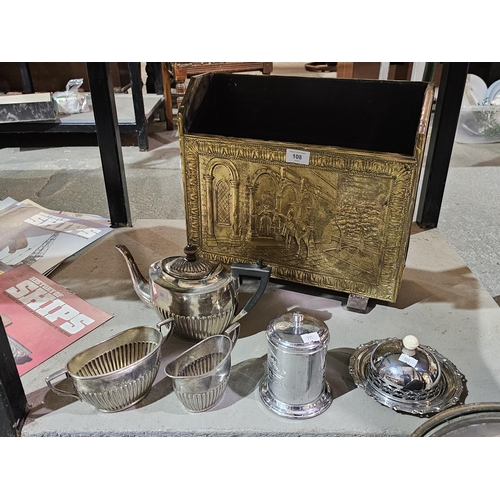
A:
(298, 330)
(405, 365)
(191, 267)
(406, 376)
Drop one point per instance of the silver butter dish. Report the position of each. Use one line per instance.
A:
(406, 376)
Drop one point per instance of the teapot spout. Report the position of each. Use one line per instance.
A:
(141, 285)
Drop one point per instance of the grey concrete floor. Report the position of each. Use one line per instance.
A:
(469, 217)
(70, 178)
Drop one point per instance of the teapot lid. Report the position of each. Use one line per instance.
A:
(191, 267)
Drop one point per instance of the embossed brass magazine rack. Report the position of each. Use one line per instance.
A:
(315, 176)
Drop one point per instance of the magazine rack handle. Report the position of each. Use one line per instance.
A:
(58, 374)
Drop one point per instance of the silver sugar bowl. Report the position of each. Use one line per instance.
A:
(295, 385)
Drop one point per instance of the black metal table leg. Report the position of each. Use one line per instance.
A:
(13, 403)
(158, 79)
(108, 138)
(159, 90)
(140, 115)
(26, 80)
(444, 126)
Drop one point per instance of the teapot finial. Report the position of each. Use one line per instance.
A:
(190, 251)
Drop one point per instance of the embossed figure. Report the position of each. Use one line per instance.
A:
(332, 235)
(298, 232)
(265, 221)
(288, 228)
(303, 234)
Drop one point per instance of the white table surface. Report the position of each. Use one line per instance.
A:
(440, 301)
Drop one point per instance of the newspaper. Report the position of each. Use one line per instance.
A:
(41, 317)
(42, 238)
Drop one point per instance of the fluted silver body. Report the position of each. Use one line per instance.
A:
(200, 375)
(117, 373)
(197, 293)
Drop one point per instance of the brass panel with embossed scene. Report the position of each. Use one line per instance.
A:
(315, 177)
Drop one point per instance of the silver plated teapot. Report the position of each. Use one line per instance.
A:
(196, 292)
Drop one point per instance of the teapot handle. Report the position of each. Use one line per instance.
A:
(256, 271)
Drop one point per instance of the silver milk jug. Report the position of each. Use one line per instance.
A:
(295, 384)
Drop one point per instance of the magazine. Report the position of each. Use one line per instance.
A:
(41, 317)
(31, 234)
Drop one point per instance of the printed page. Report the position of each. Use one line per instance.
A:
(41, 238)
(42, 317)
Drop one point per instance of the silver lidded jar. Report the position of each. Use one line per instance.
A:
(295, 384)
(406, 376)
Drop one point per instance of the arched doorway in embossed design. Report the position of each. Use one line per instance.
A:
(221, 200)
(222, 203)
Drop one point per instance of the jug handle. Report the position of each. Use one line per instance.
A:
(233, 332)
(168, 321)
(256, 271)
(58, 374)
